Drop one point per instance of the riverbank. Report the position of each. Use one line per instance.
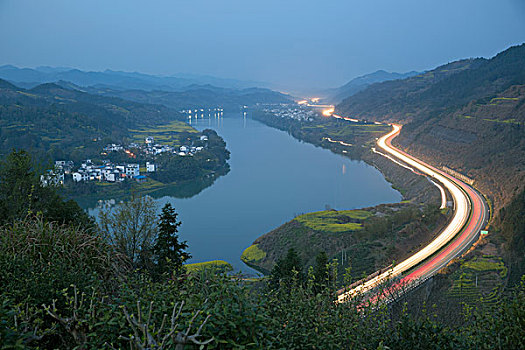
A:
(366, 243)
(364, 240)
(89, 195)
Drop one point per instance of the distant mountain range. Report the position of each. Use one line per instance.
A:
(30, 77)
(337, 95)
(194, 96)
(186, 91)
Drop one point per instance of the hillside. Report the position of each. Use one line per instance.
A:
(468, 115)
(53, 121)
(366, 239)
(360, 83)
(197, 96)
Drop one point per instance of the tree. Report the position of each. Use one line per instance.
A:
(22, 194)
(169, 252)
(132, 229)
(321, 271)
(286, 270)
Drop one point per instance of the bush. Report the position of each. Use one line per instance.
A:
(39, 259)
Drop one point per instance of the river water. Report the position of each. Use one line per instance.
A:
(273, 178)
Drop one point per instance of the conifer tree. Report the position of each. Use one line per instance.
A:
(168, 250)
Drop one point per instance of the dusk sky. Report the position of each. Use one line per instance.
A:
(292, 43)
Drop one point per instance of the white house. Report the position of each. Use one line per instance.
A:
(77, 177)
(183, 149)
(110, 177)
(149, 140)
(150, 167)
(204, 138)
(51, 178)
(132, 170)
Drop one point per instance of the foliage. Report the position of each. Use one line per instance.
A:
(210, 307)
(511, 222)
(168, 252)
(209, 161)
(56, 122)
(320, 271)
(39, 259)
(286, 270)
(132, 229)
(22, 194)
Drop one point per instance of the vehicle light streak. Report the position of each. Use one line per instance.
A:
(459, 231)
(441, 190)
(339, 142)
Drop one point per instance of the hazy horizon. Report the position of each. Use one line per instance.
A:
(287, 44)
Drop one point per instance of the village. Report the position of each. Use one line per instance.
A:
(107, 171)
(292, 111)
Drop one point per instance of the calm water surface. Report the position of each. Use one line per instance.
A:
(273, 178)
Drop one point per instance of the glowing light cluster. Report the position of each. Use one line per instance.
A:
(328, 112)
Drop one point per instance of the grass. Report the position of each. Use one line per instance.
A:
(334, 221)
(253, 254)
(213, 265)
(165, 133)
(486, 264)
(496, 99)
(488, 271)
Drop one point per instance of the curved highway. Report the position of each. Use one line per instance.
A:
(470, 216)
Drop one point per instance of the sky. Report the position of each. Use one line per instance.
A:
(308, 44)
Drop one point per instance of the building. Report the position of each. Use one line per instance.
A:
(52, 178)
(149, 140)
(204, 138)
(150, 167)
(132, 170)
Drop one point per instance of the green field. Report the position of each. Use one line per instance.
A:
(213, 265)
(165, 133)
(334, 221)
(480, 277)
(253, 254)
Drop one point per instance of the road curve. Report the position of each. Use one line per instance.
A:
(470, 215)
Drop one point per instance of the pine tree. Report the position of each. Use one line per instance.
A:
(321, 271)
(286, 270)
(169, 252)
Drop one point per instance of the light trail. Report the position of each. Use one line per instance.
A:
(339, 142)
(441, 189)
(468, 217)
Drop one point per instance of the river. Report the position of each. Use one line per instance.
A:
(273, 178)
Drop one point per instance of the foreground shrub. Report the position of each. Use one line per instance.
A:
(39, 260)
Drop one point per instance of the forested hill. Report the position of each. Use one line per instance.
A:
(442, 89)
(53, 121)
(469, 116)
(197, 96)
(360, 83)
